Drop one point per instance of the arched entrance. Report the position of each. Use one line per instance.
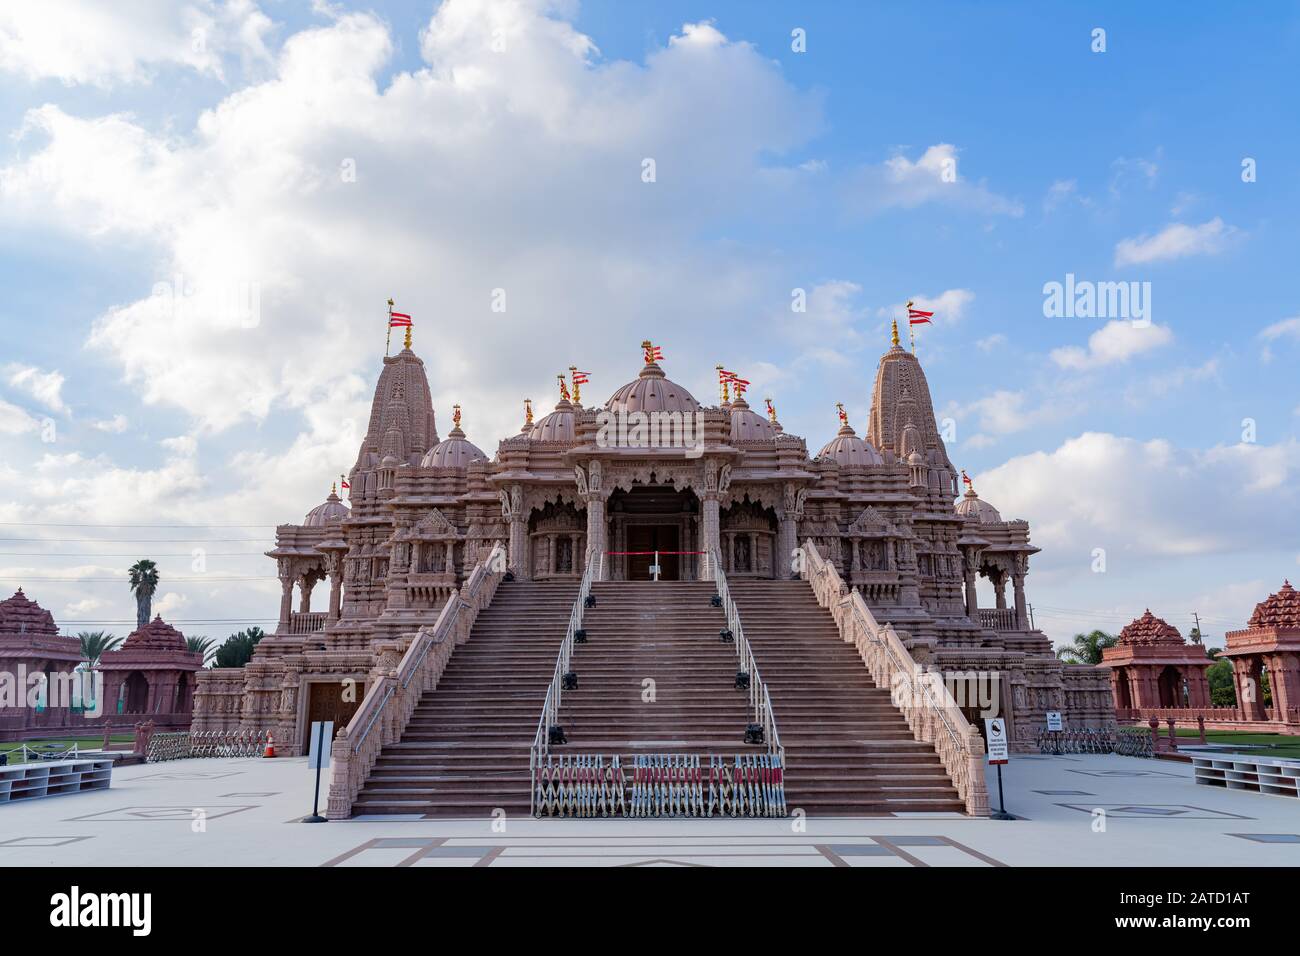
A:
(135, 693)
(650, 518)
(1171, 687)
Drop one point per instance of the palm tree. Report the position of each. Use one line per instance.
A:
(1086, 648)
(201, 645)
(95, 643)
(144, 581)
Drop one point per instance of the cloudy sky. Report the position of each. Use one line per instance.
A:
(204, 206)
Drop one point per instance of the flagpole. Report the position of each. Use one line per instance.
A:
(388, 341)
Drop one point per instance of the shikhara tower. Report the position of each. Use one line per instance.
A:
(424, 511)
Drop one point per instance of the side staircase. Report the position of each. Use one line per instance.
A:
(465, 751)
(848, 749)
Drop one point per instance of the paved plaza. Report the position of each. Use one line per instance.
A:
(245, 812)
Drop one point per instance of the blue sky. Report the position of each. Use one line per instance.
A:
(132, 157)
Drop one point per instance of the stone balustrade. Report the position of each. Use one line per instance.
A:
(923, 698)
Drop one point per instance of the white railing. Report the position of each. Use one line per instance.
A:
(923, 697)
(760, 703)
(393, 694)
(554, 694)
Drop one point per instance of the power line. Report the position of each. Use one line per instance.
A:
(135, 540)
(39, 524)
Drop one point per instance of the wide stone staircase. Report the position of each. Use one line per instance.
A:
(653, 677)
(848, 750)
(465, 750)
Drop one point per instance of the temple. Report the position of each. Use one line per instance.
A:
(1152, 667)
(648, 484)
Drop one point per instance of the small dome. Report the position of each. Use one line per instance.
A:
(971, 506)
(1281, 610)
(557, 426)
(1149, 629)
(18, 615)
(454, 451)
(329, 510)
(747, 424)
(157, 635)
(849, 450)
(652, 391)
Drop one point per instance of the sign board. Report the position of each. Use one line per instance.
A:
(995, 734)
(1054, 723)
(318, 758)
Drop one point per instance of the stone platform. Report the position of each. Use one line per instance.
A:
(244, 812)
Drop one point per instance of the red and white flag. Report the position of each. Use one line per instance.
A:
(581, 378)
(398, 320)
(917, 317)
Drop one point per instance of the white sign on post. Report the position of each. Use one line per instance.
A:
(1054, 723)
(995, 732)
(318, 758)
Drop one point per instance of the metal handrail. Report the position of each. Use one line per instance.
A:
(760, 702)
(554, 694)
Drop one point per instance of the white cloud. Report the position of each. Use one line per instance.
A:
(1004, 412)
(84, 606)
(1137, 498)
(991, 342)
(15, 421)
(933, 178)
(948, 306)
(90, 42)
(258, 196)
(1286, 328)
(1059, 193)
(1117, 341)
(45, 387)
(1176, 241)
(114, 426)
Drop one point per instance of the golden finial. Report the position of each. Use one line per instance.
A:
(528, 411)
(577, 386)
(844, 416)
(455, 416)
(895, 334)
(407, 344)
(564, 387)
(771, 411)
(649, 351)
(334, 488)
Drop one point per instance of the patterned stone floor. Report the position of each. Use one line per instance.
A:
(1076, 811)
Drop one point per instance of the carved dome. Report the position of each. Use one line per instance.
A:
(329, 510)
(747, 424)
(18, 615)
(652, 391)
(1281, 610)
(972, 506)
(157, 635)
(1149, 629)
(848, 450)
(557, 426)
(454, 451)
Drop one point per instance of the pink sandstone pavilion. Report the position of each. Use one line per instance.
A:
(426, 513)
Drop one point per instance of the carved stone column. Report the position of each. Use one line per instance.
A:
(336, 585)
(285, 571)
(1018, 586)
(1250, 696)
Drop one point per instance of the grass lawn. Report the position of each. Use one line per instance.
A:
(83, 743)
(1275, 745)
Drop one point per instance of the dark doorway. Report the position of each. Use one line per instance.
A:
(649, 538)
(1171, 687)
(136, 693)
(336, 701)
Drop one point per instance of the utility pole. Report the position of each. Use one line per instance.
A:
(1200, 636)
(1031, 618)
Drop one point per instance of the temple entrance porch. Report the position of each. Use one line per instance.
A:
(650, 518)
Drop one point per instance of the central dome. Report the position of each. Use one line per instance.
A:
(848, 450)
(972, 506)
(652, 391)
(557, 426)
(747, 424)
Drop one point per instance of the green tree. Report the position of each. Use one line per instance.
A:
(201, 645)
(1223, 691)
(143, 576)
(1086, 648)
(95, 643)
(237, 650)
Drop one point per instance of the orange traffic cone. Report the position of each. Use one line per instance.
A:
(270, 746)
